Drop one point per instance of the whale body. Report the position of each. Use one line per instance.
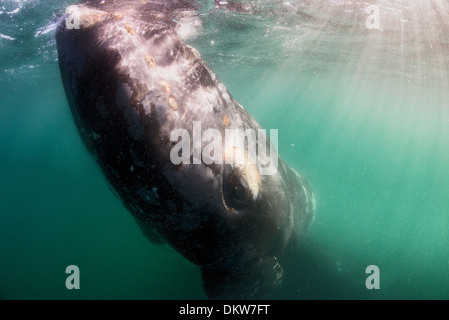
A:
(130, 81)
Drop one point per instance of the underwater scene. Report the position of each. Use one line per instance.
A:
(358, 92)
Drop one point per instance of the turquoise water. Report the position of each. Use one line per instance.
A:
(363, 114)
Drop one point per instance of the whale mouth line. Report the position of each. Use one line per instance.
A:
(229, 209)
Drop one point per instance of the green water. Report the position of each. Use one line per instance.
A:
(362, 114)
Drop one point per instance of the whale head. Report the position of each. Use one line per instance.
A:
(156, 119)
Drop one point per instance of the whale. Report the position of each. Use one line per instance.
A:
(131, 81)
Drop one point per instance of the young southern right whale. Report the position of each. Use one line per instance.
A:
(131, 82)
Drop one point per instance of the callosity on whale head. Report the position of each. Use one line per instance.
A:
(131, 82)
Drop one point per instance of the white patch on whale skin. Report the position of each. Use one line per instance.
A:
(188, 26)
(248, 169)
(135, 50)
(252, 177)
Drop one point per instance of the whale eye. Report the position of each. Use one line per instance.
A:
(238, 189)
